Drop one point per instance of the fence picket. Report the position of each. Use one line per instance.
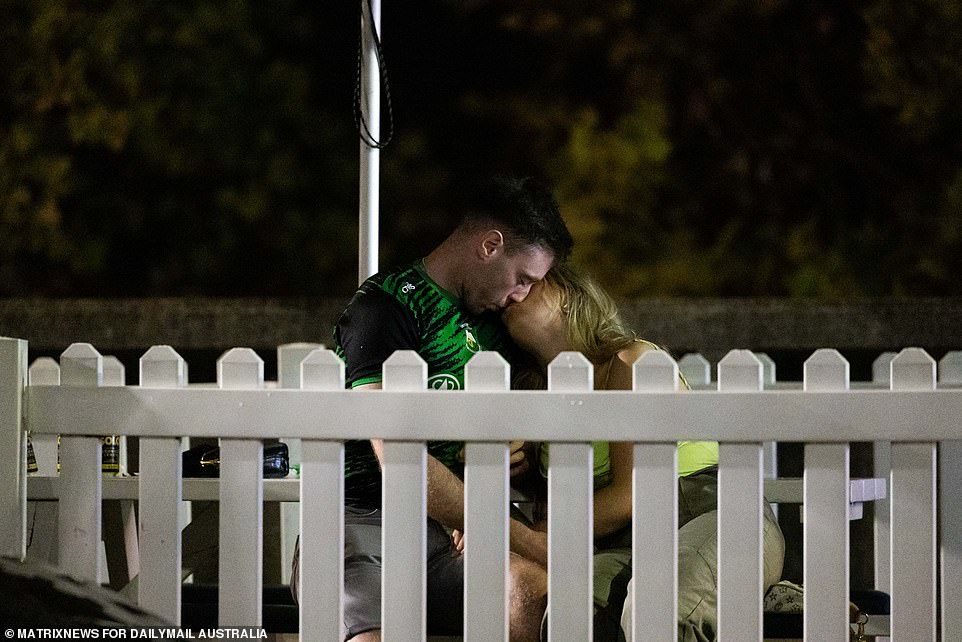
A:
(404, 514)
(119, 518)
(289, 358)
(768, 368)
(826, 530)
(486, 493)
(769, 448)
(570, 515)
(882, 462)
(950, 368)
(321, 513)
(740, 514)
(160, 492)
(80, 479)
(45, 371)
(13, 448)
(913, 514)
(240, 566)
(950, 509)
(654, 509)
(950, 512)
(696, 369)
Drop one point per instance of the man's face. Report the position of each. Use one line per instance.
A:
(537, 321)
(506, 277)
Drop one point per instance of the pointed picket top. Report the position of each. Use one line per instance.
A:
(826, 370)
(406, 371)
(115, 374)
(162, 367)
(289, 358)
(882, 368)
(487, 371)
(240, 368)
(768, 368)
(321, 369)
(44, 371)
(655, 371)
(740, 371)
(696, 369)
(913, 369)
(950, 367)
(81, 365)
(570, 371)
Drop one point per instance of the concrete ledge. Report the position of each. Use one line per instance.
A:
(185, 323)
(709, 326)
(713, 326)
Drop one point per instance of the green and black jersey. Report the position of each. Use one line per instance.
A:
(404, 309)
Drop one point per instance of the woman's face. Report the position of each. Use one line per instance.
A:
(535, 322)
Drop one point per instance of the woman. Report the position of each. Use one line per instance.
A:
(568, 311)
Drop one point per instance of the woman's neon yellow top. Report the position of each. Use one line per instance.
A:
(692, 457)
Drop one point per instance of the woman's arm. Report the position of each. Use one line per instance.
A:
(613, 502)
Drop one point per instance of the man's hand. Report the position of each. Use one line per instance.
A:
(458, 538)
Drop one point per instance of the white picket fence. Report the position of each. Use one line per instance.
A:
(920, 417)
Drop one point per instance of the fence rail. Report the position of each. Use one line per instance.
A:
(919, 415)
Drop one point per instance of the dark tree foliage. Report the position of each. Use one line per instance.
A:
(724, 148)
(174, 147)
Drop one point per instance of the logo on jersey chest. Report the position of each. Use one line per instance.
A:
(444, 382)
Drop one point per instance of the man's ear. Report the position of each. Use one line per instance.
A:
(492, 242)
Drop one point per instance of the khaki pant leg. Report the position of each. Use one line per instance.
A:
(698, 563)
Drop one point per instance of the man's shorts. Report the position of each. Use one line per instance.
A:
(362, 576)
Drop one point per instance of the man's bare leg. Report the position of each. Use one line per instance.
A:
(528, 598)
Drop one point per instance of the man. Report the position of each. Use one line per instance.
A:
(446, 307)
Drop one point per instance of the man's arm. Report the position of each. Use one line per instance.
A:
(445, 495)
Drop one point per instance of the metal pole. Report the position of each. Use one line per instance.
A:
(368, 214)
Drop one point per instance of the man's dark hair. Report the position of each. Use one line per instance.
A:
(525, 208)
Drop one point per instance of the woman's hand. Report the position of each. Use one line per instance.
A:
(519, 459)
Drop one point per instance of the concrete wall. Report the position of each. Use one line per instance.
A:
(709, 326)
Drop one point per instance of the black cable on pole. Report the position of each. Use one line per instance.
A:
(360, 123)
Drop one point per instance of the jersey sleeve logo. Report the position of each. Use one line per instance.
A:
(407, 288)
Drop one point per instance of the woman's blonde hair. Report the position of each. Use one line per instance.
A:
(591, 318)
(593, 325)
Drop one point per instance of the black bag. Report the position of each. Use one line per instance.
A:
(204, 461)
